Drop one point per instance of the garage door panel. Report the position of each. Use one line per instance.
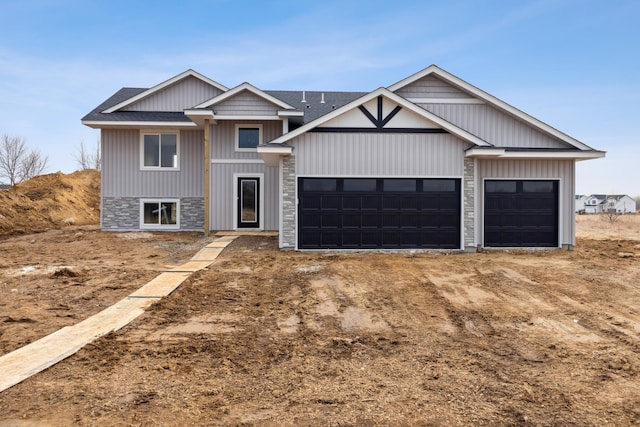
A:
(380, 213)
(521, 213)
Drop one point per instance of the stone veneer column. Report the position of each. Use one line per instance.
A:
(288, 230)
(468, 195)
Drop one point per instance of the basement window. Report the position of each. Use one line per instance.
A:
(159, 214)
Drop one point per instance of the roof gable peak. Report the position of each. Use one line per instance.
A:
(167, 83)
(490, 99)
(240, 88)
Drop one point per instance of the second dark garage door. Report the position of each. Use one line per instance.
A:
(368, 213)
(520, 213)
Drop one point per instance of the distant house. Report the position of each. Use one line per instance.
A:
(428, 162)
(4, 186)
(580, 199)
(594, 203)
(619, 203)
(601, 203)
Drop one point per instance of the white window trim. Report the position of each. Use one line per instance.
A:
(260, 202)
(237, 138)
(158, 132)
(144, 226)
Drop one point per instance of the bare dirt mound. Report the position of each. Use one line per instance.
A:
(51, 201)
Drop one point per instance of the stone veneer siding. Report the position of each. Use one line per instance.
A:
(468, 196)
(123, 213)
(288, 232)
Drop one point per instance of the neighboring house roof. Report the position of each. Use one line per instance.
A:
(5, 186)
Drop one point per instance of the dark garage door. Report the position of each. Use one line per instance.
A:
(520, 213)
(361, 213)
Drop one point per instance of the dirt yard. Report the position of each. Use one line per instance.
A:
(265, 337)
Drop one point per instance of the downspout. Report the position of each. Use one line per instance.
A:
(207, 172)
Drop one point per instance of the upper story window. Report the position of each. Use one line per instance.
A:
(160, 150)
(248, 137)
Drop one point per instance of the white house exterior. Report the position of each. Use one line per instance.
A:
(580, 200)
(430, 162)
(619, 203)
(594, 203)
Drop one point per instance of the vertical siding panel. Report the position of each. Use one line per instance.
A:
(222, 202)
(223, 138)
(494, 126)
(184, 94)
(379, 155)
(122, 176)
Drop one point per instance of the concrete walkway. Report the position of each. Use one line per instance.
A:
(39, 355)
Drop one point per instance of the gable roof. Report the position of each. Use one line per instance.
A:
(490, 99)
(455, 130)
(148, 92)
(242, 87)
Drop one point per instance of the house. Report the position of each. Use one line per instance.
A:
(594, 203)
(580, 199)
(619, 203)
(428, 162)
(5, 186)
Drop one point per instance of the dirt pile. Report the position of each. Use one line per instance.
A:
(51, 201)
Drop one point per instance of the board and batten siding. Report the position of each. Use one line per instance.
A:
(246, 103)
(547, 169)
(431, 87)
(223, 138)
(122, 177)
(222, 201)
(185, 94)
(379, 155)
(494, 126)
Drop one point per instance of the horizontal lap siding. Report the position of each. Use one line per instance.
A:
(223, 201)
(564, 170)
(494, 126)
(122, 177)
(378, 155)
(186, 94)
(247, 104)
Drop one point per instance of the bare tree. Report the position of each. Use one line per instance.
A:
(87, 159)
(17, 163)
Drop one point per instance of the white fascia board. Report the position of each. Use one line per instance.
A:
(199, 116)
(469, 88)
(245, 86)
(234, 117)
(274, 150)
(290, 113)
(461, 133)
(111, 123)
(503, 154)
(167, 83)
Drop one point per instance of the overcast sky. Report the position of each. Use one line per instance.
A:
(574, 64)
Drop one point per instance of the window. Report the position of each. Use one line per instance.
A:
(159, 151)
(319, 184)
(248, 137)
(159, 214)
(357, 184)
(500, 186)
(400, 185)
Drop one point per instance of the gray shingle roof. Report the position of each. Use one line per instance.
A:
(144, 116)
(312, 108)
